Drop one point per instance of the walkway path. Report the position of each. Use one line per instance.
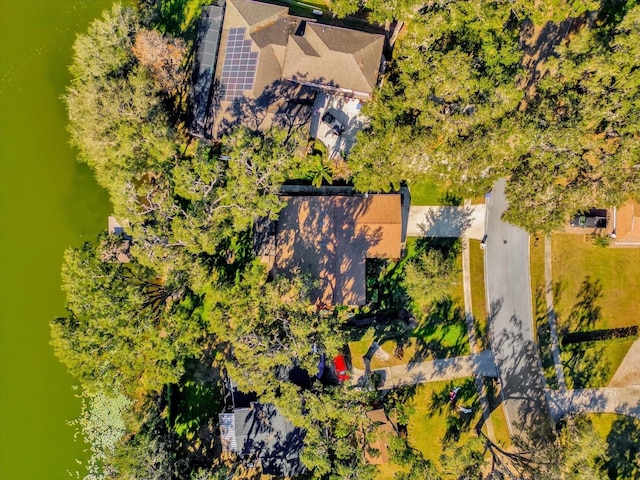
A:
(551, 315)
(511, 323)
(433, 371)
(622, 400)
(447, 221)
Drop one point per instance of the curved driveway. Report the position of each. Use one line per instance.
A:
(511, 325)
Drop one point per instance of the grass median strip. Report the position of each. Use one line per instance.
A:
(478, 295)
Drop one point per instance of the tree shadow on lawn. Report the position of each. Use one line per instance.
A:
(385, 289)
(442, 333)
(622, 449)
(586, 366)
(448, 246)
(195, 403)
(584, 314)
(441, 404)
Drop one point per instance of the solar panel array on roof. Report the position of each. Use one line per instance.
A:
(240, 64)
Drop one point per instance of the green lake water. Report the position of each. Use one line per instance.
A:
(47, 202)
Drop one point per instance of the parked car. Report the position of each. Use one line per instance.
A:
(589, 221)
(340, 365)
(336, 126)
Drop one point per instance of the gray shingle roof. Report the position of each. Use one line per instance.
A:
(262, 432)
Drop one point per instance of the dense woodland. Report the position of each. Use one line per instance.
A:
(460, 105)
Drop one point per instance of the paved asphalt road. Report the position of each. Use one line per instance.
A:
(511, 326)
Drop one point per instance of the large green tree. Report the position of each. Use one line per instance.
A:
(269, 326)
(125, 330)
(446, 109)
(337, 429)
(117, 118)
(584, 118)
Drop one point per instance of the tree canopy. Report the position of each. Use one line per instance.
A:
(455, 109)
(181, 298)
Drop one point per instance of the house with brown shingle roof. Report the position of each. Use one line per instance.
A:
(330, 238)
(269, 61)
(627, 225)
(376, 452)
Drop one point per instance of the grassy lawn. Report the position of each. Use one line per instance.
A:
(426, 342)
(480, 200)
(438, 333)
(435, 423)
(478, 298)
(536, 269)
(539, 306)
(430, 194)
(594, 288)
(425, 193)
(622, 435)
(498, 418)
(592, 364)
(500, 427)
